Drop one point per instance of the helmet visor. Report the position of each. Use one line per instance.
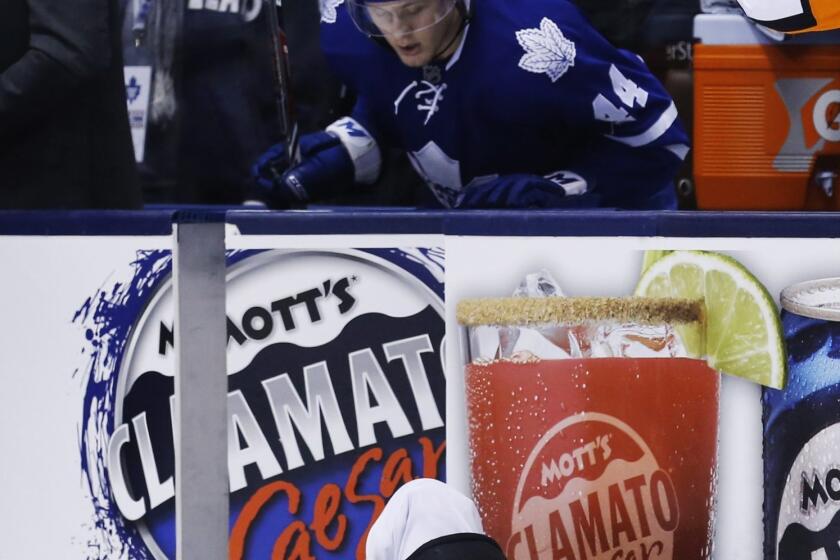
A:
(397, 17)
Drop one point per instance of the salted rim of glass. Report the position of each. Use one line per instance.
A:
(817, 299)
(576, 310)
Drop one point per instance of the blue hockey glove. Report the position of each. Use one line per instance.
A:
(268, 168)
(331, 161)
(561, 189)
(325, 168)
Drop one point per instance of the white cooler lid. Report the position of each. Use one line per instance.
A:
(732, 29)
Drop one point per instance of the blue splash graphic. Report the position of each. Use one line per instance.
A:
(108, 317)
(427, 264)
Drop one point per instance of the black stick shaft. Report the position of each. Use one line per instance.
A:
(282, 81)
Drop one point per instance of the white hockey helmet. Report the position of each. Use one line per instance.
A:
(378, 18)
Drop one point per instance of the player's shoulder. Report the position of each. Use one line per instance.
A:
(533, 27)
(542, 38)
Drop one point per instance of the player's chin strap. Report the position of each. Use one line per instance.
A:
(466, 13)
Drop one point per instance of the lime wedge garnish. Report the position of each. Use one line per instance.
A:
(651, 257)
(743, 331)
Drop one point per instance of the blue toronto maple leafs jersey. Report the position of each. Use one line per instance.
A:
(532, 88)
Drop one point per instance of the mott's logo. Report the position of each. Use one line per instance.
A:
(580, 460)
(592, 489)
(809, 516)
(335, 398)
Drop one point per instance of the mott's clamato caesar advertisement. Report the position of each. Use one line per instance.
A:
(336, 398)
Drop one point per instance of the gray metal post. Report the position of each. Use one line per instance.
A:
(201, 474)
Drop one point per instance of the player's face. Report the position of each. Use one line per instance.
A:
(417, 30)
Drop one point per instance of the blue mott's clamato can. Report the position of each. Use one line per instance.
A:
(802, 430)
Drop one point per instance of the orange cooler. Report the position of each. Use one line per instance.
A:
(765, 112)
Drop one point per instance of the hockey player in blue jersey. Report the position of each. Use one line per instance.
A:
(497, 103)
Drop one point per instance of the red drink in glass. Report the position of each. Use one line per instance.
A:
(595, 458)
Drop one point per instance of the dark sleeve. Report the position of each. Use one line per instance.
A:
(638, 142)
(68, 45)
(367, 118)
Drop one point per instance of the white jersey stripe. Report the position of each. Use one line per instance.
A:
(679, 150)
(658, 129)
(457, 54)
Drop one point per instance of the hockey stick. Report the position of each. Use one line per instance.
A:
(282, 81)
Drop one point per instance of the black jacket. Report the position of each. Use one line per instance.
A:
(64, 136)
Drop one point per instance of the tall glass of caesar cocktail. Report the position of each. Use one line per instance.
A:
(592, 425)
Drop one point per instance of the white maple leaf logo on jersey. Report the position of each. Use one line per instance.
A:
(546, 50)
(328, 7)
